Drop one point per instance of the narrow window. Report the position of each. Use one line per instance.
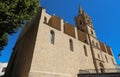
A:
(85, 50)
(106, 58)
(80, 22)
(97, 45)
(45, 20)
(112, 60)
(91, 32)
(52, 37)
(93, 43)
(98, 56)
(85, 41)
(71, 44)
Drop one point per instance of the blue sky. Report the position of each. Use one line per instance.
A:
(105, 16)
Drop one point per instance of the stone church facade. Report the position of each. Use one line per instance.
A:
(48, 47)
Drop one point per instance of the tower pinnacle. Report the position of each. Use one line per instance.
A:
(80, 10)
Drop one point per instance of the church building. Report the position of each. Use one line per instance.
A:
(50, 47)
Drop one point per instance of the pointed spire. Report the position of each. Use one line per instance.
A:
(80, 9)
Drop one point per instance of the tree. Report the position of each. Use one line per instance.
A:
(119, 56)
(13, 14)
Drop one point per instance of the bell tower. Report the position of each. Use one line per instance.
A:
(83, 22)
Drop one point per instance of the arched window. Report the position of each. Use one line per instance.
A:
(106, 58)
(97, 45)
(98, 56)
(85, 50)
(85, 41)
(45, 20)
(71, 44)
(112, 61)
(91, 32)
(52, 37)
(93, 43)
(80, 22)
(102, 69)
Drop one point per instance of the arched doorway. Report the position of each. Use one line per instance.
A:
(102, 69)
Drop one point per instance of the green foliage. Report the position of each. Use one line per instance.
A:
(13, 13)
(3, 40)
